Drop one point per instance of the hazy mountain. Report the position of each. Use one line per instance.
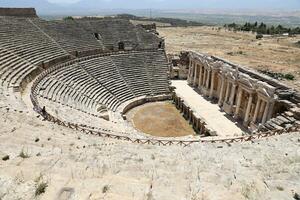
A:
(85, 7)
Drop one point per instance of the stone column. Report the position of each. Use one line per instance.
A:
(271, 108)
(200, 77)
(190, 66)
(232, 94)
(202, 128)
(264, 119)
(227, 92)
(221, 91)
(204, 77)
(212, 84)
(191, 116)
(190, 76)
(256, 110)
(238, 105)
(207, 79)
(181, 106)
(246, 118)
(195, 74)
(262, 107)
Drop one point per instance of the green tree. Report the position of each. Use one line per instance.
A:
(68, 18)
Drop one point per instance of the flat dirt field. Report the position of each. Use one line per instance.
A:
(160, 119)
(279, 54)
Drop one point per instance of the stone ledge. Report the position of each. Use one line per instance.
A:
(18, 12)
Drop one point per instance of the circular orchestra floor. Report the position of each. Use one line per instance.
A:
(160, 119)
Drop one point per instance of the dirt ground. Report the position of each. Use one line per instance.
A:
(160, 119)
(278, 54)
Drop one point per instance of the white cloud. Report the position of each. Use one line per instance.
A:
(63, 1)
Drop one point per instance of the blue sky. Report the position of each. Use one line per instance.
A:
(92, 5)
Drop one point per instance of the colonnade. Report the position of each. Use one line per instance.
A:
(247, 99)
(188, 114)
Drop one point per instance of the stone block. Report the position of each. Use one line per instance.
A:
(296, 112)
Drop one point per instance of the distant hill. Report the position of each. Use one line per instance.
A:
(205, 12)
(163, 20)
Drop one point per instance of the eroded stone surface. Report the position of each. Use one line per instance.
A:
(262, 169)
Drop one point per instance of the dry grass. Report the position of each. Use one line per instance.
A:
(161, 119)
(277, 54)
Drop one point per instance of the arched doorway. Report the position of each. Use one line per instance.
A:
(121, 46)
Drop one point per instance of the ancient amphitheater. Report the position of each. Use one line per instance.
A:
(85, 103)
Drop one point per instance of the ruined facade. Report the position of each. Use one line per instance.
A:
(240, 93)
(179, 65)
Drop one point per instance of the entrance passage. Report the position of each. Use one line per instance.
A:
(160, 119)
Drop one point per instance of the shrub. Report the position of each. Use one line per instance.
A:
(23, 154)
(68, 18)
(105, 189)
(5, 158)
(280, 188)
(41, 188)
(296, 196)
(289, 76)
(259, 36)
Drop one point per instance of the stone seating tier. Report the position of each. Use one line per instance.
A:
(29, 43)
(69, 35)
(106, 80)
(113, 31)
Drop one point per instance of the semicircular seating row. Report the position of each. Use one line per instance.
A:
(26, 43)
(107, 80)
(22, 49)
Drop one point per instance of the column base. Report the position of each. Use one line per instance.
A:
(205, 92)
(199, 89)
(253, 127)
(236, 116)
(246, 124)
(227, 108)
(211, 94)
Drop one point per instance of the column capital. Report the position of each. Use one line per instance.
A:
(234, 84)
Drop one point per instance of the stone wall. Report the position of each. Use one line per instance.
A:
(197, 122)
(140, 101)
(18, 12)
